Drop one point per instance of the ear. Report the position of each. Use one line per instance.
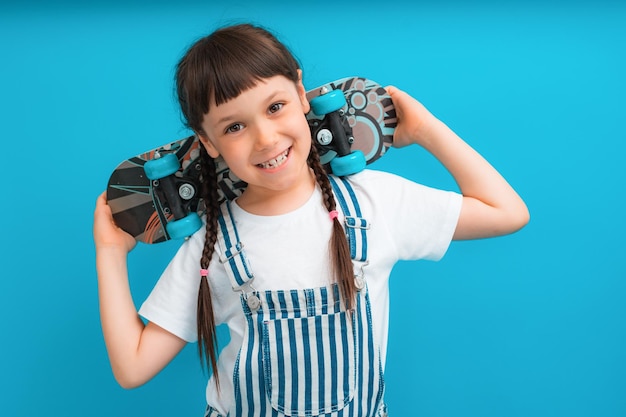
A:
(302, 93)
(208, 145)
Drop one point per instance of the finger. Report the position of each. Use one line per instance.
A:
(390, 89)
(102, 208)
(102, 199)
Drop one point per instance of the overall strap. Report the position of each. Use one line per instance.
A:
(356, 226)
(230, 249)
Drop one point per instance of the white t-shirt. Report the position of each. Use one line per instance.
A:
(408, 221)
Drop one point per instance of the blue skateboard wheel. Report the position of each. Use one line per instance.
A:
(161, 167)
(349, 164)
(185, 227)
(328, 103)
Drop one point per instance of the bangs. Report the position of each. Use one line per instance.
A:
(242, 64)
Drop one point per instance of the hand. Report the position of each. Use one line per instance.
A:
(106, 234)
(414, 120)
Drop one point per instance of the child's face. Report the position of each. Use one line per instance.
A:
(263, 135)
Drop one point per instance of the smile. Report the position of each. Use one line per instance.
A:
(275, 162)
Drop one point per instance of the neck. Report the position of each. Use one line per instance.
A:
(264, 202)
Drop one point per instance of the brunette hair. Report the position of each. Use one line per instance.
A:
(218, 68)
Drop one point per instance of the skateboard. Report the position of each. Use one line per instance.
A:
(154, 196)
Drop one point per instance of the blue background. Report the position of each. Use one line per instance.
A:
(531, 324)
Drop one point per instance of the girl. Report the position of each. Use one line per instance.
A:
(297, 266)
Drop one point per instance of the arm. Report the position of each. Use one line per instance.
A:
(136, 351)
(490, 205)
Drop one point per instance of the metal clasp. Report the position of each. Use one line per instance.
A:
(238, 249)
(359, 276)
(352, 222)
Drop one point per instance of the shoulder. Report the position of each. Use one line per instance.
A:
(370, 175)
(370, 181)
(385, 187)
(416, 220)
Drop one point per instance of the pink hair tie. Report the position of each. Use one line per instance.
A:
(333, 214)
(204, 273)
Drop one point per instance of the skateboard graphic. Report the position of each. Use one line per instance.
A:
(154, 196)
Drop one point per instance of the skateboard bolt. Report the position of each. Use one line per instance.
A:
(186, 191)
(324, 137)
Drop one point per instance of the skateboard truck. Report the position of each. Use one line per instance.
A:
(334, 134)
(179, 193)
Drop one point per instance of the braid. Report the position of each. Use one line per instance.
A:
(207, 337)
(340, 252)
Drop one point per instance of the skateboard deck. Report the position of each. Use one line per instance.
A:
(366, 118)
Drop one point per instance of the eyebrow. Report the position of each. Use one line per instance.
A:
(225, 119)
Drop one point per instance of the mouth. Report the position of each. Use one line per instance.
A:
(276, 161)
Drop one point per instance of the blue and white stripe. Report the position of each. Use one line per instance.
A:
(313, 368)
(356, 226)
(231, 249)
(303, 354)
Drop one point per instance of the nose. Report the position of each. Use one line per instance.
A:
(266, 136)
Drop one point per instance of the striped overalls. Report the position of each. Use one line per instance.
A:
(303, 354)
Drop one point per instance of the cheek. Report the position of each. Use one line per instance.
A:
(300, 128)
(306, 137)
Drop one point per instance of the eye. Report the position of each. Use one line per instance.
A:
(234, 128)
(276, 107)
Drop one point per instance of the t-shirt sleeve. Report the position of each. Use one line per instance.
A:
(420, 220)
(172, 304)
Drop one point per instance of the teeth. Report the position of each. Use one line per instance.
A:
(275, 162)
